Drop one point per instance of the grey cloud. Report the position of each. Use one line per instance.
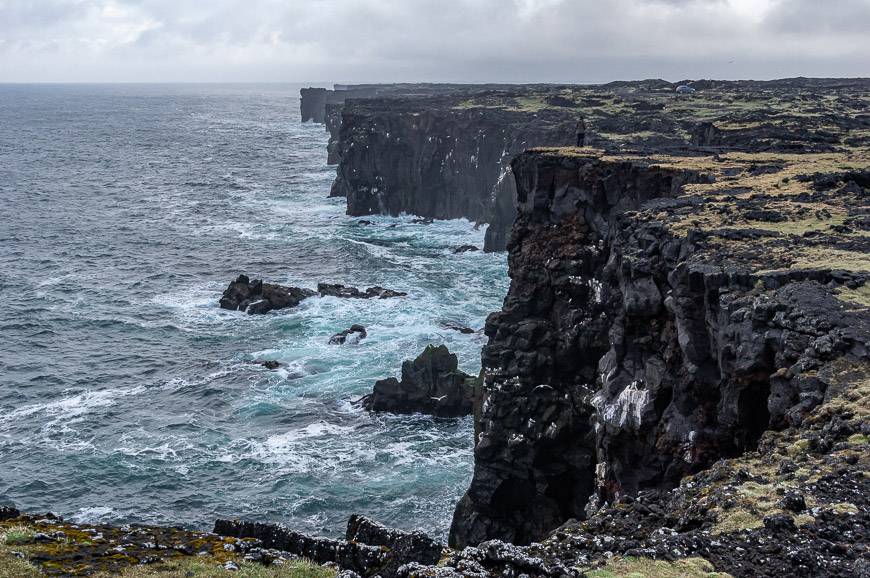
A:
(463, 40)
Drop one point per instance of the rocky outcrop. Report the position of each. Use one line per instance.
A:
(312, 104)
(434, 158)
(256, 297)
(431, 384)
(369, 550)
(376, 292)
(631, 352)
(352, 335)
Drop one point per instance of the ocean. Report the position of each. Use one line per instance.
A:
(128, 396)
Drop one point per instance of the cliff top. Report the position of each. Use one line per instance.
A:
(764, 212)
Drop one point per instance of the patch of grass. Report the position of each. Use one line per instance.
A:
(736, 520)
(647, 568)
(12, 566)
(859, 296)
(17, 536)
(858, 439)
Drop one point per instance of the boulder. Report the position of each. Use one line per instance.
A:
(404, 547)
(352, 335)
(256, 297)
(430, 384)
(464, 249)
(344, 292)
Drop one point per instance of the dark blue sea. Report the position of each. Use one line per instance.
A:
(127, 395)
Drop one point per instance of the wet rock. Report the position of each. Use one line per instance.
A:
(341, 291)
(352, 335)
(256, 297)
(8, 513)
(457, 327)
(465, 249)
(270, 364)
(432, 384)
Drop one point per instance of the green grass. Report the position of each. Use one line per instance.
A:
(18, 536)
(646, 568)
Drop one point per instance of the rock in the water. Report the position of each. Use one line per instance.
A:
(457, 327)
(269, 364)
(430, 384)
(464, 249)
(341, 291)
(258, 297)
(352, 335)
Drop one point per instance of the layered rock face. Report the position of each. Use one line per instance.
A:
(633, 347)
(432, 384)
(433, 158)
(312, 104)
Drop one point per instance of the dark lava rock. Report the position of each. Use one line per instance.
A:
(430, 384)
(404, 547)
(270, 364)
(360, 558)
(780, 523)
(464, 249)
(793, 502)
(369, 549)
(335, 290)
(258, 297)
(457, 327)
(355, 334)
(8, 513)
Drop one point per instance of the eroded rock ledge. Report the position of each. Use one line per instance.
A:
(656, 323)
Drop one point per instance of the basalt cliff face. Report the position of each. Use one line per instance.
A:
(664, 313)
(443, 151)
(434, 158)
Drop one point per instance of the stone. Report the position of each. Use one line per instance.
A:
(352, 335)
(432, 383)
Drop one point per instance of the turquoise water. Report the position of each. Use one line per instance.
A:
(127, 395)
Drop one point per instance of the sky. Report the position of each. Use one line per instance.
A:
(319, 41)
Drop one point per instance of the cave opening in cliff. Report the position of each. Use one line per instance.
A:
(753, 416)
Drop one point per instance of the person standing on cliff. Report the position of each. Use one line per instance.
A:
(581, 132)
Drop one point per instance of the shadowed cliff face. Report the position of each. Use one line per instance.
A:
(626, 355)
(430, 158)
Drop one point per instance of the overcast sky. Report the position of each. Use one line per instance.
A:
(434, 40)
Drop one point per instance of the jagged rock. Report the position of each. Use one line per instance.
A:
(457, 327)
(369, 549)
(8, 513)
(404, 547)
(432, 383)
(465, 249)
(626, 357)
(360, 558)
(258, 297)
(353, 335)
(269, 364)
(335, 290)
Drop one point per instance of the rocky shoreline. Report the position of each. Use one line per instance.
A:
(678, 383)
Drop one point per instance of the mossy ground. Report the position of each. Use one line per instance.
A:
(31, 546)
(630, 567)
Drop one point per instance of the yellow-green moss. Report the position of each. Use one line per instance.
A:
(629, 567)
